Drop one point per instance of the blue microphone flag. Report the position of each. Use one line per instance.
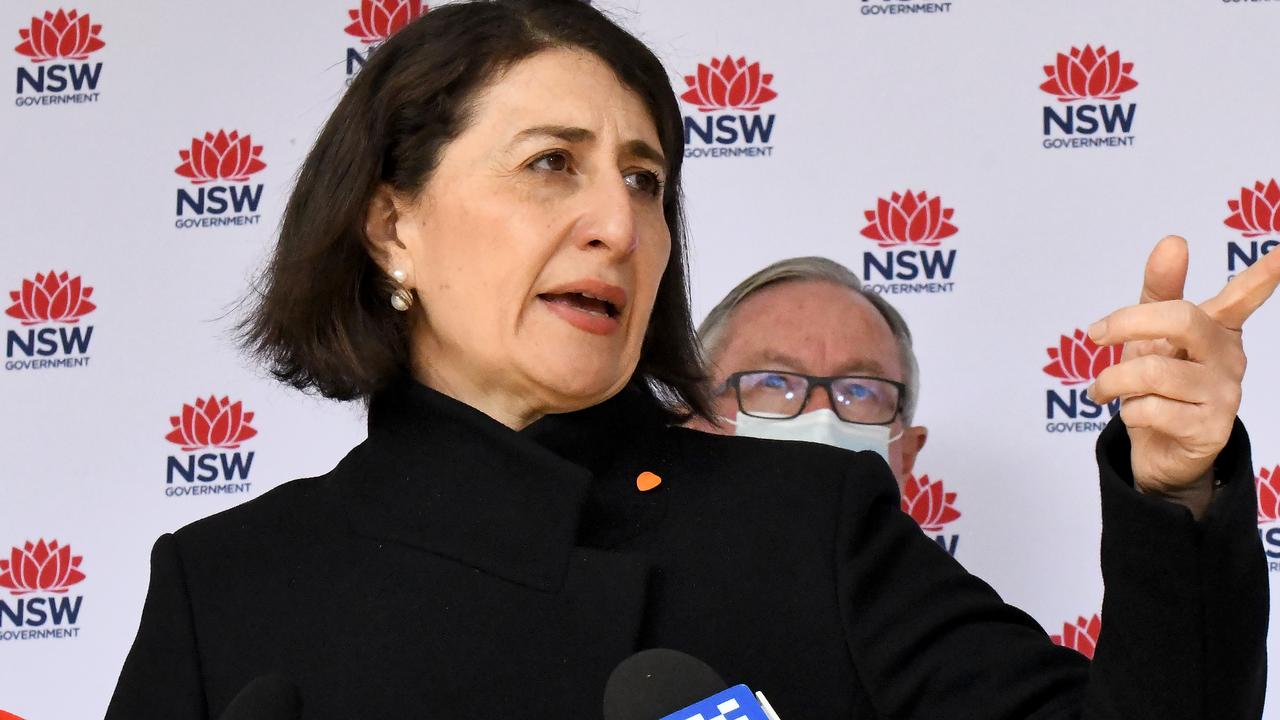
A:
(735, 703)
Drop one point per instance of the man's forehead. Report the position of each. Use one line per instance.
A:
(815, 327)
(843, 361)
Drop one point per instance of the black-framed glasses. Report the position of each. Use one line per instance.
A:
(779, 395)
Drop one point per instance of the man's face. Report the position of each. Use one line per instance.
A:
(813, 327)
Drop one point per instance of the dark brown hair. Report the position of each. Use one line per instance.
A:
(321, 318)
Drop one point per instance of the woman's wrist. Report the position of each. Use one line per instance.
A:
(1196, 496)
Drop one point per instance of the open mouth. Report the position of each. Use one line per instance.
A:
(583, 302)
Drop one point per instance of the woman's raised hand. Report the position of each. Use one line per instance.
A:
(1179, 377)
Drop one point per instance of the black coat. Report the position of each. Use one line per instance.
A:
(450, 567)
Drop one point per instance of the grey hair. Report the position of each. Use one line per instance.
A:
(711, 332)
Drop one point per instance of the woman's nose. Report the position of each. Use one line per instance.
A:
(611, 222)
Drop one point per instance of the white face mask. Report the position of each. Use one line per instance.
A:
(820, 426)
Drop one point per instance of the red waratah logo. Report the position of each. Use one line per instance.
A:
(1078, 359)
(63, 34)
(40, 567)
(377, 20)
(224, 156)
(211, 423)
(728, 83)
(1089, 73)
(1268, 483)
(51, 297)
(1257, 212)
(928, 503)
(1081, 637)
(909, 218)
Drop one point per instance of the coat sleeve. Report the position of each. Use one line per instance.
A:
(161, 676)
(1184, 613)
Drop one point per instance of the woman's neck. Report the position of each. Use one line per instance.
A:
(498, 403)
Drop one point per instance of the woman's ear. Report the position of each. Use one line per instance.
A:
(385, 246)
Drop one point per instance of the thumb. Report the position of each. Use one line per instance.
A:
(1166, 272)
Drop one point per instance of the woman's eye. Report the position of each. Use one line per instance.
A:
(645, 181)
(552, 162)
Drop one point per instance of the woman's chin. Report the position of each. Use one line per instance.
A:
(579, 388)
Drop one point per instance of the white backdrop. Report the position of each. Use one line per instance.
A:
(114, 427)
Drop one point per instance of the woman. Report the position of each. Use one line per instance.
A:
(486, 243)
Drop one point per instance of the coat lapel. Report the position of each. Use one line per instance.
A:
(543, 508)
(541, 513)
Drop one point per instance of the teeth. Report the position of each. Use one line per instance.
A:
(603, 300)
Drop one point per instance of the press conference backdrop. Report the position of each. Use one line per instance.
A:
(999, 170)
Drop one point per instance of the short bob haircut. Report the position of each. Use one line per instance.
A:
(321, 318)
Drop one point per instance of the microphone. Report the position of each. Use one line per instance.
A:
(267, 697)
(662, 684)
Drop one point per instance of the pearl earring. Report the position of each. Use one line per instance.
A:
(400, 299)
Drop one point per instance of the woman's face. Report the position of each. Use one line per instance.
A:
(537, 246)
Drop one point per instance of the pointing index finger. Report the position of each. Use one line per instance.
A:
(1245, 293)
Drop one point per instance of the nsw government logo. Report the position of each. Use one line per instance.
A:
(729, 94)
(219, 166)
(39, 577)
(49, 309)
(903, 7)
(908, 228)
(1087, 83)
(933, 508)
(1081, 636)
(1256, 216)
(1076, 362)
(375, 21)
(206, 430)
(1268, 488)
(54, 44)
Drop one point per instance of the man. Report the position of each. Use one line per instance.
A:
(801, 351)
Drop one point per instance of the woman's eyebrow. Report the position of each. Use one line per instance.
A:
(645, 151)
(559, 132)
(569, 134)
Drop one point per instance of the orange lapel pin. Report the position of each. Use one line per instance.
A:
(647, 481)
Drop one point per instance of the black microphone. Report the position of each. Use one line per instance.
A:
(662, 684)
(655, 683)
(268, 697)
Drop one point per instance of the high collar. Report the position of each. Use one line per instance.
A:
(438, 474)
